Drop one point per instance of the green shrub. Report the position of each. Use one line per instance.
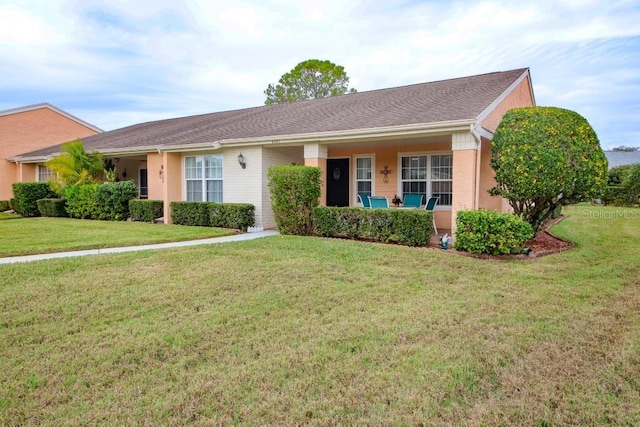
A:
(411, 227)
(81, 201)
(232, 215)
(112, 200)
(190, 213)
(617, 175)
(631, 184)
(489, 232)
(26, 195)
(208, 214)
(12, 203)
(53, 207)
(544, 157)
(377, 225)
(5, 205)
(145, 210)
(295, 191)
(616, 195)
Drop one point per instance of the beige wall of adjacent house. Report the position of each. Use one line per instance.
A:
(519, 97)
(31, 130)
(240, 185)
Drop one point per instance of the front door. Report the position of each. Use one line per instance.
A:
(337, 182)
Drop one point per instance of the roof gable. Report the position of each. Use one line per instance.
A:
(28, 108)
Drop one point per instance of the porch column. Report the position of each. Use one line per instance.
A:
(164, 177)
(465, 174)
(316, 155)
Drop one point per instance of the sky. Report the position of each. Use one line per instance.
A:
(115, 63)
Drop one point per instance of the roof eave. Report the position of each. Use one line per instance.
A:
(354, 135)
(333, 137)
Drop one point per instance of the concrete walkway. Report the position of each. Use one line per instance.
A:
(225, 239)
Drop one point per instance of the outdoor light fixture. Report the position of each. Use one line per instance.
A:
(241, 161)
(161, 173)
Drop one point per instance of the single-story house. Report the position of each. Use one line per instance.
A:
(31, 128)
(431, 138)
(622, 158)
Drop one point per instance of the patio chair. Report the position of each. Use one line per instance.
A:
(429, 207)
(364, 199)
(412, 200)
(378, 202)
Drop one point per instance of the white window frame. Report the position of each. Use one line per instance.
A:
(429, 179)
(203, 178)
(355, 175)
(43, 172)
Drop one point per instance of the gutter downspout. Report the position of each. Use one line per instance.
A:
(478, 139)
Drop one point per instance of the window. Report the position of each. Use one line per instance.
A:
(442, 178)
(143, 183)
(44, 174)
(203, 178)
(414, 175)
(430, 175)
(364, 176)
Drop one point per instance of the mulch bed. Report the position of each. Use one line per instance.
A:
(543, 243)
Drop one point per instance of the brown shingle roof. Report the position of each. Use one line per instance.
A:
(441, 101)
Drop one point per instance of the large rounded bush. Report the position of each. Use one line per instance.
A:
(544, 157)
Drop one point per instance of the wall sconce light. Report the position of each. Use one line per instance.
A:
(241, 161)
(161, 173)
(386, 172)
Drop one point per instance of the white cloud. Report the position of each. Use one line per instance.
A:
(117, 62)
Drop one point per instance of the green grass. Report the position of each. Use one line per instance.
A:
(7, 215)
(26, 236)
(291, 330)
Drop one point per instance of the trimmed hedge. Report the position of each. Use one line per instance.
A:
(411, 227)
(112, 200)
(145, 210)
(26, 196)
(295, 191)
(81, 201)
(209, 214)
(53, 207)
(489, 232)
(106, 201)
(190, 213)
(5, 205)
(232, 215)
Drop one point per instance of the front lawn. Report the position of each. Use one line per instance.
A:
(292, 330)
(26, 236)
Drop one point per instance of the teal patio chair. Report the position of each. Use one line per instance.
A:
(429, 207)
(378, 202)
(412, 201)
(364, 199)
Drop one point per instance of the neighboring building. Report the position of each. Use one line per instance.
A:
(31, 128)
(622, 158)
(430, 138)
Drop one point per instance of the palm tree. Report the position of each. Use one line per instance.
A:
(74, 166)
